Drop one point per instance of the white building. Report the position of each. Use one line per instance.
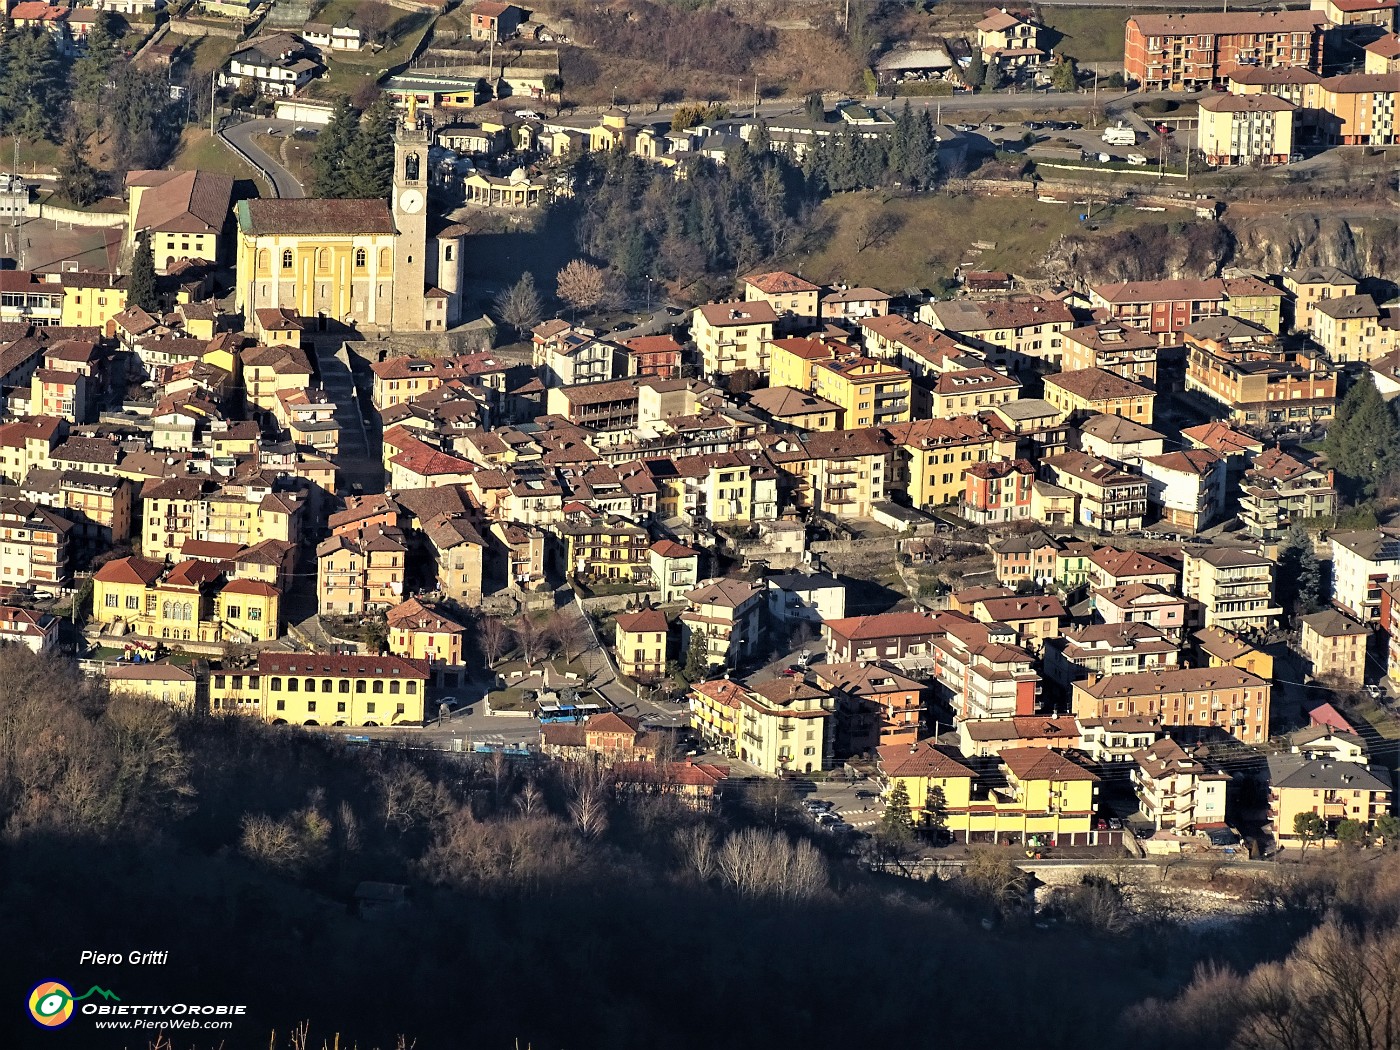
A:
(798, 597)
(1187, 488)
(1178, 791)
(1361, 562)
(278, 64)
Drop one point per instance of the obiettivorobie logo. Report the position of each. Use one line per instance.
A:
(51, 1002)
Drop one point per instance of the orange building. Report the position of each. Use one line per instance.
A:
(1197, 50)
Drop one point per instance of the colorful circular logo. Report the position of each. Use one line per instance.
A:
(51, 1004)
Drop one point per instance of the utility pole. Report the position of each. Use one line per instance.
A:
(211, 103)
(755, 96)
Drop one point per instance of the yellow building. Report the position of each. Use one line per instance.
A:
(159, 681)
(191, 601)
(1255, 301)
(1313, 285)
(91, 300)
(795, 301)
(714, 711)
(1217, 647)
(1353, 328)
(355, 263)
(869, 392)
(419, 631)
(731, 336)
(1092, 391)
(1245, 129)
(1335, 791)
(786, 726)
(1047, 797)
(640, 644)
(933, 455)
(184, 213)
(325, 689)
(1383, 55)
(959, 392)
(793, 362)
(791, 409)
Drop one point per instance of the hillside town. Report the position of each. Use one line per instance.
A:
(1048, 563)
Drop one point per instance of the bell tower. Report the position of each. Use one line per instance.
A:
(410, 207)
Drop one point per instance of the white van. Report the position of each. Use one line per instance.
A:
(1120, 135)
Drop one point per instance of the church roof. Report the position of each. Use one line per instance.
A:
(310, 217)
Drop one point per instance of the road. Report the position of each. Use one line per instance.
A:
(244, 137)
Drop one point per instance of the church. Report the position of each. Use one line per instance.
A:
(365, 264)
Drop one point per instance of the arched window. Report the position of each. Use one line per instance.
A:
(385, 261)
(410, 167)
(187, 615)
(165, 611)
(323, 260)
(287, 259)
(264, 260)
(361, 258)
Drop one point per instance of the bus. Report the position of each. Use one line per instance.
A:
(575, 713)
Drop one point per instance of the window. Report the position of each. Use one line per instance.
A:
(369, 707)
(287, 259)
(133, 602)
(360, 686)
(394, 688)
(275, 685)
(234, 612)
(111, 601)
(292, 685)
(326, 686)
(311, 705)
(378, 687)
(254, 614)
(340, 707)
(361, 258)
(281, 705)
(344, 685)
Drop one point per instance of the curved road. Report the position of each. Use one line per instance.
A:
(244, 137)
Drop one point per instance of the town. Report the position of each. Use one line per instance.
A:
(375, 381)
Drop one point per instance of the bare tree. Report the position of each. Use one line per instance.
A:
(589, 811)
(992, 877)
(696, 843)
(409, 797)
(568, 631)
(773, 798)
(582, 285)
(531, 638)
(760, 863)
(496, 639)
(520, 305)
(531, 799)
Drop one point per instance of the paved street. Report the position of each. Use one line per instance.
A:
(243, 136)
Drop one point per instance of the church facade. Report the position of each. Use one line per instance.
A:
(364, 264)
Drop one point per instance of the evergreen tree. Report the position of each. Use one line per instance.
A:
(921, 158)
(697, 657)
(900, 137)
(760, 141)
(141, 284)
(78, 181)
(145, 124)
(897, 819)
(92, 71)
(1065, 76)
(976, 73)
(1299, 575)
(936, 810)
(995, 77)
(1363, 444)
(813, 108)
(369, 165)
(332, 149)
(33, 88)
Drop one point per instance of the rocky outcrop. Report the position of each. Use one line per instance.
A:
(1186, 250)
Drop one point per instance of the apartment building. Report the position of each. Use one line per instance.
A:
(361, 571)
(603, 547)
(1216, 697)
(982, 737)
(731, 336)
(1111, 346)
(1110, 499)
(1313, 285)
(1358, 109)
(419, 630)
(1279, 491)
(962, 391)
(781, 726)
(868, 392)
(725, 615)
(1187, 488)
(574, 356)
(1165, 308)
(1107, 648)
(1245, 129)
(1234, 587)
(1258, 382)
(875, 705)
(1199, 50)
(34, 544)
(982, 673)
(640, 644)
(1093, 391)
(1335, 645)
(1362, 562)
(193, 600)
(1012, 333)
(1178, 791)
(795, 301)
(885, 636)
(998, 492)
(1354, 328)
(1335, 791)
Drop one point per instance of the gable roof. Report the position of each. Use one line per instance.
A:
(182, 201)
(922, 759)
(1041, 763)
(309, 216)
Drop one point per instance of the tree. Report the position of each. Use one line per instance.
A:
(936, 811)
(520, 305)
(697, 657)
(333, 144)
(92, 71)
(743, 380)
(141, 283)
(146, 124)
(1351, 834)
(78, 181)
(375, 18)
(1387, 828)
(976, 73)
(995, 76)
(897, 820)
(1299, 574)
(1309, 827)
(496, 639)
(568, 632)
(813, 108)
(32, 85)
(774, 798)
(1065, 75)
(582, 285)
(532, 640)
(993, 878)
(1363, 444)
(369, 159)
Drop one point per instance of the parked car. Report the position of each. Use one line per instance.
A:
(827, 821)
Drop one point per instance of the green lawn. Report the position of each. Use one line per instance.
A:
(210, 52)
(1087, 34)
(934, 233)
(199, 151)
